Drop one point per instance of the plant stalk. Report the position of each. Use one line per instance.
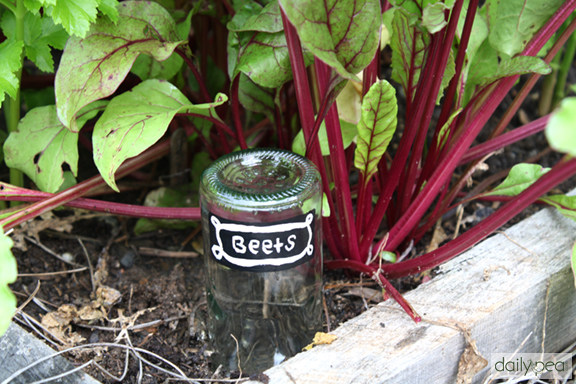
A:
(12, 106)
(11, 193)
(84, 187)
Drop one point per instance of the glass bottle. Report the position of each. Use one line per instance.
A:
(261, 224)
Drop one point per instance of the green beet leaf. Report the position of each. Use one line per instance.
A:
(8, 275)
(348, 130)
(376, 127)
(254, 18)
(560, 130)
(167, 197)
(514, 23)
(135, 120)
(265, 60)
(41, 145)
(146, 67)
(566, 205)
(433, 17)
(256, 98)
(10, 53)
(521, 176)
(443, 134)
(449, 72)
(518, 65)
(483, 65)
(92, 68)
(344, 34)
(408, 45)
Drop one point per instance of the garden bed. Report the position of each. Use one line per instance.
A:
(498, 291)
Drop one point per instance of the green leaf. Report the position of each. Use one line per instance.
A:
(10, 63)
(566, 205)
(325, 206)
(388, 256)
(518, 65)
(443, 134)
(41, 145)
(348, 130)
(110, 9)
(184, 26)
(256, 98)
(265, 60)
(408, 50)
(215, 79)
(376, 128)
(349, 102)
(135, 120)
(483, 65)
(38, 97)
(521, 176)
(92, 68)
(449, 72)
(433, 17)
(145, 67)
(516, 21)
(39, 33)
(344, 34)
(75, 16)
(243, 14)
(33, 5)
(200, 162)
(8, 275)
(267, 19)
(560, 131)
(3, 137)
(167, 197)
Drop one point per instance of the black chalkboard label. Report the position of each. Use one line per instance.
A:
(262, 247)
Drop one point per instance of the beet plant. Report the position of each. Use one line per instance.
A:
(307, 75)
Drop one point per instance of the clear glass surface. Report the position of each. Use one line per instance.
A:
(261, 208)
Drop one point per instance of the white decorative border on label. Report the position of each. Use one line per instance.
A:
(219, 253)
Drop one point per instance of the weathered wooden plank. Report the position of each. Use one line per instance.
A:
(18, 349)
(384, 346)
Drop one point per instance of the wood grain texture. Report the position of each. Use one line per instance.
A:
(18, 349)
(384, 346)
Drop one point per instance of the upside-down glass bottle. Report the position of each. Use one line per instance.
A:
(261, 222)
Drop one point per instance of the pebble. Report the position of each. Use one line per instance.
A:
(128, 259)
(94, 337)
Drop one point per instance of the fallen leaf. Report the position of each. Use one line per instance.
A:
(470, 364)
(90, 312)
(107, 296)
(319, 339)
(367, 293)
(437, 238)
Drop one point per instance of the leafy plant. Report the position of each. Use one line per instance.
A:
(304, 76)
(8, 275)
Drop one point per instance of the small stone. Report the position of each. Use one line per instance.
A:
(128, 259)
(94, 337)
(68, 257)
